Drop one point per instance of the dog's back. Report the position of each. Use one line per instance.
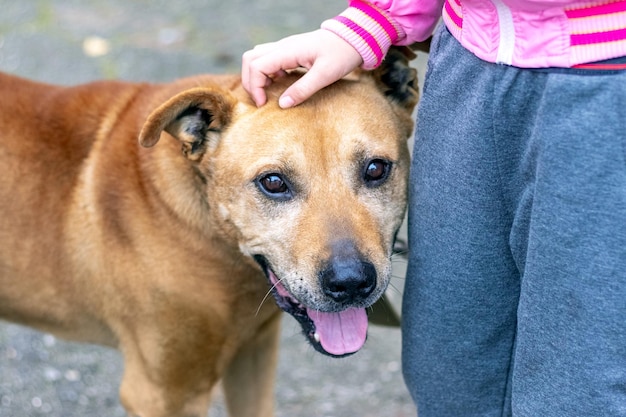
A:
(45, 140)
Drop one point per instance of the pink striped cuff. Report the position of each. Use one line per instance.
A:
(597, 30)
(601, 67)
(598, 37)
(368, 29)
(592, 10)
(453, 17)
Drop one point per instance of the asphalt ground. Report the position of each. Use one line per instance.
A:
(74, 41)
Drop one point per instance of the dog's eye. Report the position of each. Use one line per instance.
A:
(376, 172)
(274, 185)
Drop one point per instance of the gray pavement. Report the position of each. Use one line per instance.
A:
(74, 41)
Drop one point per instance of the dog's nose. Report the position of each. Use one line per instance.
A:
(348, 280)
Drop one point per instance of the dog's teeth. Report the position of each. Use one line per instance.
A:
(316, 336)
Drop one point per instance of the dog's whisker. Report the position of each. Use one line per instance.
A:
(400, 277)
(383, 306)
(399, 258)
(267, 294)
(400, 252)
(393, 287)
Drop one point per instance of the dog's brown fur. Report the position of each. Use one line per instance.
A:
(150, 248)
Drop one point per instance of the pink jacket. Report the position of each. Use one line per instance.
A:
(523, 33)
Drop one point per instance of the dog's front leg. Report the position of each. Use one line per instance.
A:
(159, 382)
(249, 380)
(142, 398)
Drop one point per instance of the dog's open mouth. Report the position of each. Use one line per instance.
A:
(335, 334)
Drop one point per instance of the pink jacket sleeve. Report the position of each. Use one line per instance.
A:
(372, 26)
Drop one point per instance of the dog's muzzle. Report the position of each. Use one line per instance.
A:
(349, 283)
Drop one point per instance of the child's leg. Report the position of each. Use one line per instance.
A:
(514, 186)
(462, 288)
(570, 358)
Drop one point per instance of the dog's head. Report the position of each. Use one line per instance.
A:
(314, 194)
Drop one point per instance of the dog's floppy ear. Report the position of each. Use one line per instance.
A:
(195, 117)
(396, 79)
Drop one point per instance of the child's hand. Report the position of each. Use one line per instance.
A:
(326, 56)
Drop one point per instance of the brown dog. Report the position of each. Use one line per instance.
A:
(157, 219)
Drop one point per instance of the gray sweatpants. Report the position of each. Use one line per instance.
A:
(515, 299)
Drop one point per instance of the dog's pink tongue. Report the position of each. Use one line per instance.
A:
(340, 333)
